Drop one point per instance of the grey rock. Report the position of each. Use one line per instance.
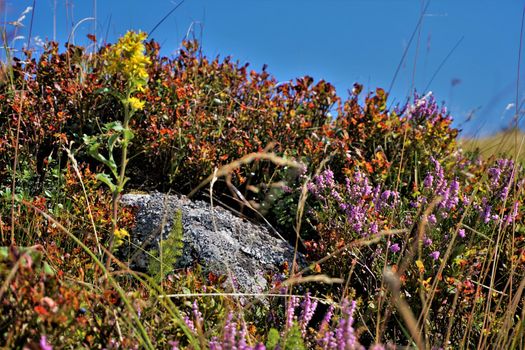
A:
(216, 239)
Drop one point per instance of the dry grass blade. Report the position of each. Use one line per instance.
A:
(315, 278)
(392, 281)
(229, 168)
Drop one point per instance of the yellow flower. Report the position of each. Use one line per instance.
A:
(127, 58)
(120, 235)
(135, 103)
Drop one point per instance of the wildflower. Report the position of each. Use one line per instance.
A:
(429, 180)
(386, 194)
(486, 213)
(374, 228)
(435, 255)
(127, 59)
(394, 248)
(135, 103)
(189, 323)
(432, 219)
(345, 334)
(377, 347)
(230, 330)
(44, 344)
(120, 235)
(325, 324)
(329, 177)
(512, 217)
(197, 315)
(290, 311)
(453, 195)
(461, 233)
(494, 174)
(308, 312)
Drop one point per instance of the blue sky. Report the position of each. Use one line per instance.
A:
(341, 41)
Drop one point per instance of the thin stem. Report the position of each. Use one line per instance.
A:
(121, 178)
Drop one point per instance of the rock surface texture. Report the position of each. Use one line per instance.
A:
(216, 239)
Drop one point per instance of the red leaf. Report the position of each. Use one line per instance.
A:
(41, 310)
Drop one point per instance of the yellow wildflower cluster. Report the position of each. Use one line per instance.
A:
(120, 235)
(127, 59)
(136, 103)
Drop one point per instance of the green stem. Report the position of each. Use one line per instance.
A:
(120, 180)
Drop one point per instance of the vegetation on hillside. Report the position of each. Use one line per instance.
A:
(428, 240)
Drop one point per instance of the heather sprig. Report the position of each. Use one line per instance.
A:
(339, 333)
(363, 206)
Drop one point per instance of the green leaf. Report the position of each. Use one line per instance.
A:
(113, 126)
(128, 135)
(112, 140)
(104, 90)
(171, 248)
(102, 177)
(48, 270)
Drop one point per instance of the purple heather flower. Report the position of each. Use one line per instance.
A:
(311, 188)
(290, 311)
(461, 233)
(241, 345)
(329, 177)
(394, 248)
(44, 344)
(345, 332)
(325, 323)
(343, 337)
(440, 175)
(427, 241)
(486, 214)
(444, 193)
(197, 315)
(494, 174)
(374, 228)
(308, 307)
(429, 180)
(189, 323)
(453, 195)
(214, 344)
(230, 330)
(432, 219)
(377, 347)
(336, 196)
(435, 255)
(514, 213)
(287, 189)
(504, 193)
